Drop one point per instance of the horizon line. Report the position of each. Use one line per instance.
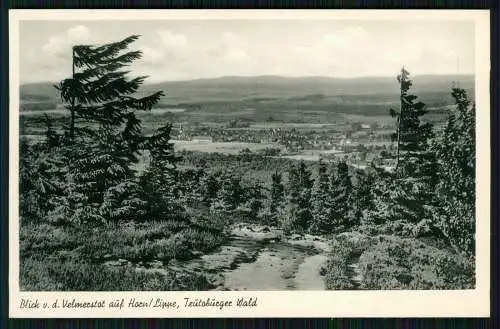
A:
(146, 82)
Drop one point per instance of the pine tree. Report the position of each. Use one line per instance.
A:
(51, 137)
(160, 182)
(237, 193)
(381, 193)
(224, 203)
(408, 194)
(321, 201)
(294, 187)
(341, 197)
(304, 213)
(209, 188)
(289, 219)
(456, 190)
(41, 181)
(99, 90)
(277, 197)
(305, 176)
(192, 194)
(298, 213)
(412, 136)
(161, 149)
(363, 200)
(99, 94)
(254, 200)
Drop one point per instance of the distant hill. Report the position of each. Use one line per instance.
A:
(285, 87)
(236, 88)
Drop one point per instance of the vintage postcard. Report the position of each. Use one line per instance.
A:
(249, 163)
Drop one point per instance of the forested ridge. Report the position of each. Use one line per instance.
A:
(84, 202)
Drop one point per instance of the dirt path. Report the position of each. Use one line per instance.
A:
(308, 275)
(258, 258)
(292, 264)
(276, 268)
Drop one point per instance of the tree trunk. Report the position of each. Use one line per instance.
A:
(397, 145)
(72, 109)
(72, 124)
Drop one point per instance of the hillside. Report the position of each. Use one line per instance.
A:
(239, 88)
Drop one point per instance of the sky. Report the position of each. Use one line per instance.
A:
(192, 49)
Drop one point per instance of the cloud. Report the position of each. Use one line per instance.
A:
(78, 34)
(151, 56)
(55, 46)
(165, 47)
(171, 40)
(187, 51)
(236, 56)
(60, 45)
(345, 38)
(335, 52)
(167, 51)
(232, 48)
(53, 62)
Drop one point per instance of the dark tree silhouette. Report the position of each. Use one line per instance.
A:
(99, 90)
(456, 189)
(101, 96)
(411, 134)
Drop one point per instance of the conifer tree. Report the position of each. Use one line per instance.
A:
(456, 190)
(409, 193)
(99, 94)
(254, 200)
(298, 216)
(294, 187)
(341, 197)
(99, 90)
(209, 188)
(321, 201)
(290, 219)
(363, 200)
(382, 194)
(304, 213)
(224, 203)
(412, 135)
(277, 196)
(237, 193)
(51, 137)
(159, 182)
(36, 182)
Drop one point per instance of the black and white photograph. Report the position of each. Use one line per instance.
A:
(246, 154)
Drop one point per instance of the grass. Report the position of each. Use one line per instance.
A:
(79, 275)
(73, 257)
(389, 262)
(345, 246)
(406, 263)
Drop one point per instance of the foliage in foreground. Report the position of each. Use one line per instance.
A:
(57, 275)
(71, 257)
(388, 262)
(398, 263)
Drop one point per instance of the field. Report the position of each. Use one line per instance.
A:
(221, 147)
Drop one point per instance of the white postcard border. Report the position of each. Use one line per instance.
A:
(462, 303)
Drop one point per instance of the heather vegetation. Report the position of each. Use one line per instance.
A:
(105, 206)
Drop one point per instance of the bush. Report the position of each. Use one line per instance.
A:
(58, 257)
(389, 262)
(82, 276)
(345, 247)
(398, 263)
(336, 268)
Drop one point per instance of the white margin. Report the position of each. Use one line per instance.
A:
(402, 303)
